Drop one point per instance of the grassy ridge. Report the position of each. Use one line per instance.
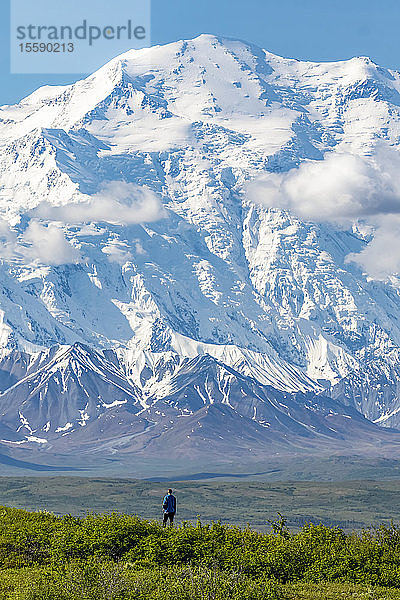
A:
(118, 557)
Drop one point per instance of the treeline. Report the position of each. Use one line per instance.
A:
(118, 557)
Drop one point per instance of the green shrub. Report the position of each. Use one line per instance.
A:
(99, 580)
(113, 548)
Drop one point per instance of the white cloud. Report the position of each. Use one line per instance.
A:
(39, 243)
(341, 189)
(118, 202)
(117, 253)
(139, 248)
(380, 259)
(47, 245)
(8, 241)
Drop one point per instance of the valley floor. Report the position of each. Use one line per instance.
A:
(351, 505)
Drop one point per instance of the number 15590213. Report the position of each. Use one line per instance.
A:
(46, 47)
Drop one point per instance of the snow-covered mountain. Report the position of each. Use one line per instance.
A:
(193, 311)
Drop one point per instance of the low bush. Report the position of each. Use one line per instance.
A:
(118, 556)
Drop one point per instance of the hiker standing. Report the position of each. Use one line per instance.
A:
(169, 508)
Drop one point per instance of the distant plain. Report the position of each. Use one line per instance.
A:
(352, 505)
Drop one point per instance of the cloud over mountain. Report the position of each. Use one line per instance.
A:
(44, 241)
(117, 202)
(40, 243)
(340, 189)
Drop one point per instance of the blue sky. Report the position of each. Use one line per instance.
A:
(307, 29)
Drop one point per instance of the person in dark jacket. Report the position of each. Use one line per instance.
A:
(169, 508)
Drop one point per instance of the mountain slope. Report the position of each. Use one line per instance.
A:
(77, 401)
(258, 290)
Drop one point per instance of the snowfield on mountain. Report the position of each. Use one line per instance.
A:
(149, 301)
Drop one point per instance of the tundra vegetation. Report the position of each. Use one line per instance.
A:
(117, 556)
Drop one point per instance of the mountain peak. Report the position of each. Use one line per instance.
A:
(224, 75)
